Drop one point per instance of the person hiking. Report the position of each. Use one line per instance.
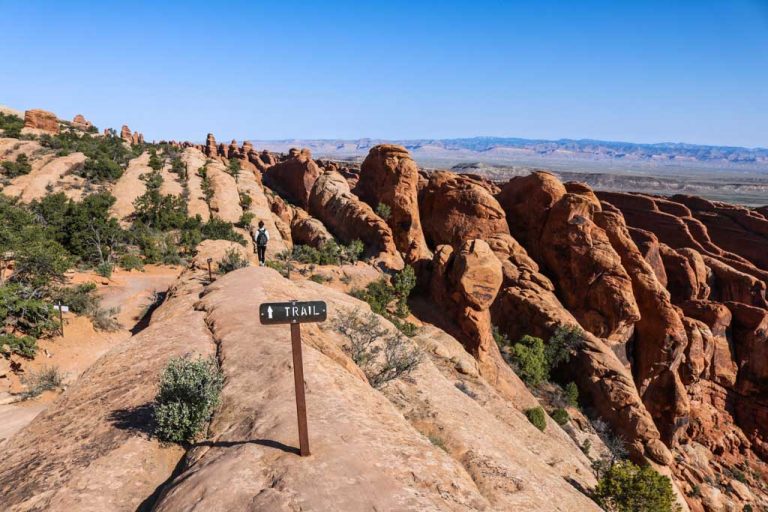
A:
(260, 238)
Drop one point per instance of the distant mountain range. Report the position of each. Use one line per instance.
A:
(517, 150)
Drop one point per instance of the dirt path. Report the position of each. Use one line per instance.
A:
(82, 345)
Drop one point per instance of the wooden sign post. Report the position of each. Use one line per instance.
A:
(61, 309)
(296, 313)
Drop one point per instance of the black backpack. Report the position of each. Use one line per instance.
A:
(261, 238)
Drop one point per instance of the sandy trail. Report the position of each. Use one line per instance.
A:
(82, 345)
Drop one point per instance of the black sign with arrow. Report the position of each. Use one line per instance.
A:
(293, 312)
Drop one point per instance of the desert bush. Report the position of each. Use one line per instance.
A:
(501, 339)
(626, 487)
(530, 361)
(105, 319)
(11, 125)
(537, 417)
(105, 269)
(24, 314)
(572, 394)
(245, 201)
(383, 211)
(107, 156)
(130, 262)
(158, 211)
(18, 168)
(25, 346)
(245, 220)
(234, 168)
(217, 229)
(282, 266)
(329, 253)
(46, 379)
(562, 343)
(382, 356)
(189, 394)
(232, 260)
(155, 162)
(391, 300)
(320, 279)
(80, 298)
(560, 416)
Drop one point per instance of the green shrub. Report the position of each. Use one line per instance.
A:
(234, 168)
(245, 220)
(155, 162)
(626, 487)
(572, 394)
(530, 361)
(46, 379)
(156, 210)
(24, 314)
(232, 260)
(245, 201)
(320, 279)
(81, 298)
(105, 269)
(107, 156)
(217, 229)
(130, 262)
(501, 339)
(284, 267)
(537, 417)
(383, 211)
(562, 343)
(189, 394)
(25, 346)
(18, 168)
(100, 169)
(560, 416)
(329, 253)
(437, 441)
(11, 125)
(382, 356)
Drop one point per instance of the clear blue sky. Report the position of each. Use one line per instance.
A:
(680, 71)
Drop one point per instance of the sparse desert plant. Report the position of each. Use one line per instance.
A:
(560, 416)
(245, 220)
(530, 360)
(345, 278)
(626, 487)
(232, 260)
(105, 319)
(384, 211)
(381, 355)
(562, 343)
(320, 279)
(462, 386)
(47, 378)
(18, 168)
(25, 346)
(131, 262)
(105, 269)
(189, 394)
(234, 168)
(537, 417)
(245, 201)
(501, 339)
(572, 394)
(284, 267)
(437, 441)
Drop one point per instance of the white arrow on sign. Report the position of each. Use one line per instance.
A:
(269, 312)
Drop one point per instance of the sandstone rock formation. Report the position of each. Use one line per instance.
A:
(81, 123)
(126, 134)
(350, 219)
(42, 120)
(294, 176)
(390, 177)
(456, 208)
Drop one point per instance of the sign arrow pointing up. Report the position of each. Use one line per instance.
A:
(269, 312)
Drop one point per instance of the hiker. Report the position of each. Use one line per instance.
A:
(260, 238)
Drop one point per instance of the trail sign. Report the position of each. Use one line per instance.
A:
(293, 312)
(296, 313)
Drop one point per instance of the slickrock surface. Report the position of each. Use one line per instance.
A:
(365, 454)
(129, 187)
(46, 173)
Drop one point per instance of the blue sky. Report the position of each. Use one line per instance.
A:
(678, 71)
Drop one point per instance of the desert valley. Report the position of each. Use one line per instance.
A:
(493, 342)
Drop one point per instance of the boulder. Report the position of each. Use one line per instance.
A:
(43, 120)
(294, 176)
(527, 201)
(350, 219)
(389, 176)
(455, 208)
